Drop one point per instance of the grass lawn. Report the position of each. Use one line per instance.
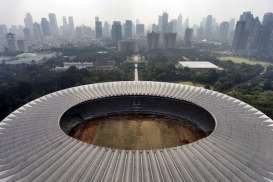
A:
(237, 59)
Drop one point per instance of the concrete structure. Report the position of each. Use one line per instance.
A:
(98, 28)
(188, 37)
(153, 40)
(53, 24)
(45, 27)
(116, 32)
(78, 65)
(128, 29)
(127, 46)
(169, 40)
(198, 65)
(140, 29)
(11, 40)
(35, 148)
(224, 31)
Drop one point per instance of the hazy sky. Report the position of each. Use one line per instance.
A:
(147, 11)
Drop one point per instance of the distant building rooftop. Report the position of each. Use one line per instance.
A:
(79, 65)
(198, 65)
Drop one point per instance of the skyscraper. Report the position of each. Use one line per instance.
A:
(160, 23)
(71, 24)
(98, 28)
(153, 40)
(27, 36)
(29, 22)
(180, 26)
(65, 27)
(165, 22)
(224, 31)
(37, 33)
(53, 24)
(128, 29)
(11, 40)
(106, 30)
(45, 27)
(3, 32)
(172, 28)
(21, 45)
(116, 32)
(209, 27)
(266, 36)
(240, 38)
(169, 40)
(140, 29)
(188, 37)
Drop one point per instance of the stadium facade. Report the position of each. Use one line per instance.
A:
(35, 147)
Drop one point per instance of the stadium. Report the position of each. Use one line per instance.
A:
(36, 144)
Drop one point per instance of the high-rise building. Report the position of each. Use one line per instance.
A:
(27, 36)
(188, 37)
(155, 28)
(29, 22)
(251, 38)
(37, 33)
(128, 29)
(209, 27)
(180, 26)
(165, 22)
(240, 38)
(169, 40)
(65, 27)
(266, 36)
(106, 30)
(11, 42)
(116, 32)
(224, 31)
(268, 18)
(127, 46)
(160, 23)
(45, 27)
(231, 25)
(21, 45)
(153, 40)
(140, 29)
(53, 24)
(3, 32)
(98, 28)
(172, 28)
(71, 24)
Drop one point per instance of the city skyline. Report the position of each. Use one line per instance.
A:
(85, 11)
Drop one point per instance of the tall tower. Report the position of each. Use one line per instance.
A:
(37, 33)
(165, 22)
(11, 40)
(106, 29)
(28, 22)
(188, 37)
(128, 29)
(180, 26)
(98, 27)
(116, 32)
(71, 24)
(224, 30)
(45, 27)
(53, 24)
(153, 40)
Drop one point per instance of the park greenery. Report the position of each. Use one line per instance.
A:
(252, 83)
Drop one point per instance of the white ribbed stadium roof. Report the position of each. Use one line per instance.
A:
(33, 147)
